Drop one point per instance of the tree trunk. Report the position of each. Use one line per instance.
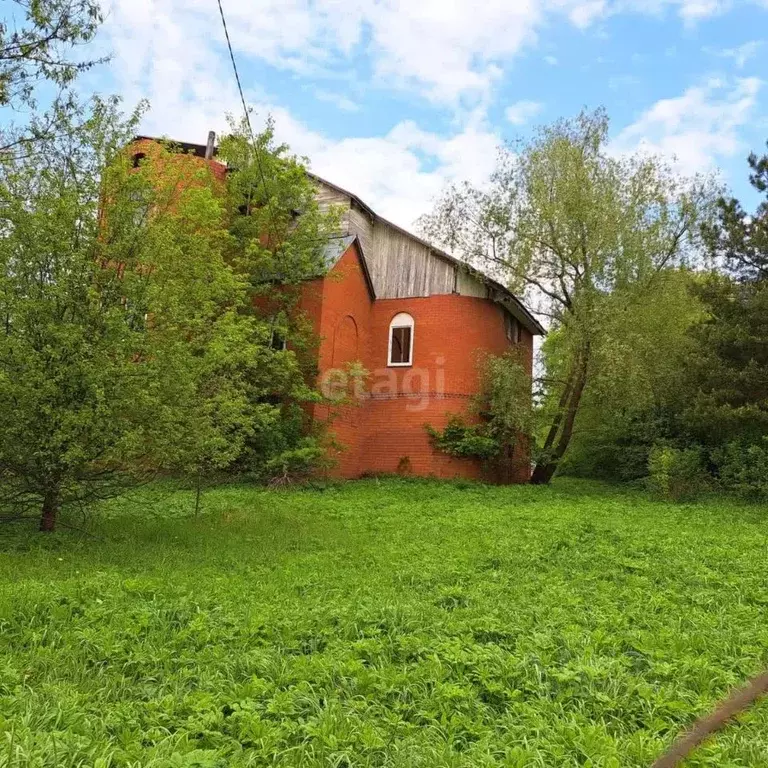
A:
(545, 471)
(50, 511)
(538, 477)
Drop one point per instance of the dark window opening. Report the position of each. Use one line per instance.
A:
(512, 329)
(137, 158)
(277, 341)
(401, 345)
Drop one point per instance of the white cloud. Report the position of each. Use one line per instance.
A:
(693, 10)
(741, 54)
(399, 174)
(449, 51)
(584, 14)
(522, 112)
(172, 52)
(690, 11)
(695, 129)
(191, 88)
(342, 102)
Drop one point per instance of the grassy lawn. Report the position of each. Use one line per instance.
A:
(383, 623)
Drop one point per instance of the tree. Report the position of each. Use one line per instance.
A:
(738, 240)
(730, 369)
(581, 233)
(639, 384)
(278, 242)
(38, 44)
(117, 313)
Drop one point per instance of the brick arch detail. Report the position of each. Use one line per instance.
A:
(346, 339)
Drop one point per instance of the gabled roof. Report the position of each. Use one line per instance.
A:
(506, 295)
(336, 247)
(533, 324)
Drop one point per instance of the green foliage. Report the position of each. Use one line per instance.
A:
(464, 440)
(34, 46)
(639, 383)
(277, 240)
(504, 401)
(676, 474)
(689, 365)
(119, 316)
(728, 372)
(503, 406)
(135, 337)
(279, 233)
(743, 468)
(740, 238)
(581, 233)
(382, 623)
(38, 44)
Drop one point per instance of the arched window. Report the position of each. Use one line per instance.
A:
(401, 340)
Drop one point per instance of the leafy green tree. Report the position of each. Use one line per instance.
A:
(730, 370)
(39, 42)
(118, 312)
(502, 414)
(581, 233)
(639, 384)
(278, 241)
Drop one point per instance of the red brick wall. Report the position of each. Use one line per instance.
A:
(182, 164)
(385, 432)
(450, 334)
(342, 314)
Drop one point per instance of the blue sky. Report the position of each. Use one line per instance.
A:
(394, 99)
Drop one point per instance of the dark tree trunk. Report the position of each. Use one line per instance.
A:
(543, 473)
(50, 511)
(566, 414)
(537, 478)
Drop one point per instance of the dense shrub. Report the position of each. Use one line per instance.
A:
(676, 474)
(464, 440)
(743, 468)
(503, 407)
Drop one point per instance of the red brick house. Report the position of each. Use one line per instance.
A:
(416, 319)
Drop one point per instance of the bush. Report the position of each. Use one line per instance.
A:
(676, 474)
(464, 441)
(297, 464)
(503, 406)
(743, 468)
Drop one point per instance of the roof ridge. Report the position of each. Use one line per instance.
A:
(199, 150)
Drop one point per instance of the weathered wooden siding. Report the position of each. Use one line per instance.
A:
(327, 196)
(400, 266)
(359, 223)
(467, 285)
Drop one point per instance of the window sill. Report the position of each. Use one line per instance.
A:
(399, 365)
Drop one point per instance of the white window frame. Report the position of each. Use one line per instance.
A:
(400, 320)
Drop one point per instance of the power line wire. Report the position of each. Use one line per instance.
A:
(246, 112)
(234, 67)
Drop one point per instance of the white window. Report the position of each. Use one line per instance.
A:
(401, 340)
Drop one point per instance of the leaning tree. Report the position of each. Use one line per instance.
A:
(580, 231)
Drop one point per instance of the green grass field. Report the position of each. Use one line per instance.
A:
(383, 623)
